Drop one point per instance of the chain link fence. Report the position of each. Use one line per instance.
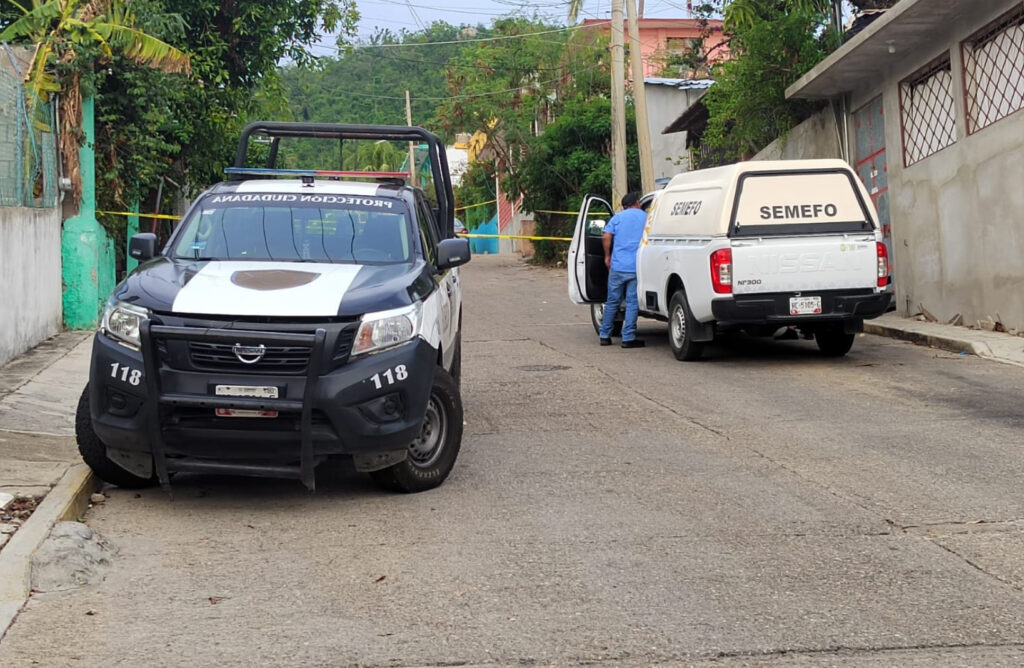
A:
(28, 147)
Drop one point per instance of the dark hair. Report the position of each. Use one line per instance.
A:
(629, 199)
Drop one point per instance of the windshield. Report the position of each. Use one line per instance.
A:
(297, 228)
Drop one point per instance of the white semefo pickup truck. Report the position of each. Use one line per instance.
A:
(753, 246)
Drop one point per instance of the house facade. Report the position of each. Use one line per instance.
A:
(926, 103)
(660, 39)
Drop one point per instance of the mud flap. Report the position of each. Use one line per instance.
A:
(136, 463)
(853, 326)
(375, 461)
(703, 331)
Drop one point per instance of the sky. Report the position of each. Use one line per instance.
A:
(415, 14)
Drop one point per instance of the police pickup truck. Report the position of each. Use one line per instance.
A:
(757, 246)
(292, 316)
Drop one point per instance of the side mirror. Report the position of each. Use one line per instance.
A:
(452, 253)
(142, 246)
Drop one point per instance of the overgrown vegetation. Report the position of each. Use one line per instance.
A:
(152, 124)
(771, 43)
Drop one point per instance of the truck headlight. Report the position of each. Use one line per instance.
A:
(385, 329)
(121, 322)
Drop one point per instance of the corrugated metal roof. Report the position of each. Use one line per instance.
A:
(680, 84)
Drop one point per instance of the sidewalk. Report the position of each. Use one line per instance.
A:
(38, 396)
(996, 346)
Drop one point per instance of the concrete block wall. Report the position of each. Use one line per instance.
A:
(817, 137)
(957, 215)
(30, 273)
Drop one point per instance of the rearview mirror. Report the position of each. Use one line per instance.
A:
(452, 253)
(142, 246)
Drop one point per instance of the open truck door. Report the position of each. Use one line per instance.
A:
(588, 275)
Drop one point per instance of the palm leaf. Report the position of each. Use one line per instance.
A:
(142, 48)
(33, 24)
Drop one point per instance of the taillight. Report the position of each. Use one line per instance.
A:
(721, 270)
(883, 264)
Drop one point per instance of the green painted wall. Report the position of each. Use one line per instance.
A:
(86, 251)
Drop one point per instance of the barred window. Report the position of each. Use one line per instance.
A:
(994, 70)
(927, 111)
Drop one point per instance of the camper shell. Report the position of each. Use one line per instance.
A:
(756, 246)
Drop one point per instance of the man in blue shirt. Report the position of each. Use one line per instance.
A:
(626, 228)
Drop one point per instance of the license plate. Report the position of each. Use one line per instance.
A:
(236, 412)
(804, 305)
(257, 391)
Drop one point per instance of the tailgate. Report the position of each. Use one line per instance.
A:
(800, 264)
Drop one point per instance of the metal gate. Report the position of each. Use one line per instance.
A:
(869, 124)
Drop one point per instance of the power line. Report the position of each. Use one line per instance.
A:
(478, 39)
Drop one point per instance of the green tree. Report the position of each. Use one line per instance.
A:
(770, 49)
(569, 160)
(71, 36)
(185, 132)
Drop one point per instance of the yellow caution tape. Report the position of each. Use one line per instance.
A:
(567, 213)
(473, 206)
(162, 216)
(514, 236)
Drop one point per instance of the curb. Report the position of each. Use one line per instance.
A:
(952, 344)
(68, 499)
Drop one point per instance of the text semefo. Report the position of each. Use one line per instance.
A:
(799, 211)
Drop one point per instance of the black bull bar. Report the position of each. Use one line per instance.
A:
(150, 334)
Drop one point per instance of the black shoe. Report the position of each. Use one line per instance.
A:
(635, 343)
(606, 342)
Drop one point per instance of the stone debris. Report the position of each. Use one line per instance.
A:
(97, 498)
(72, 556)
(5, 500)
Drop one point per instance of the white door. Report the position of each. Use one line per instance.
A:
(588, 275)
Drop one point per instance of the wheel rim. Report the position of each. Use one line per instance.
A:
(427, 447)
(678, 327)
(599, 313)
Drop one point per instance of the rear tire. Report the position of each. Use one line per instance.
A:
(432, 454)
(681, 324)
(597, 314)
(94, 451)
(834, 342)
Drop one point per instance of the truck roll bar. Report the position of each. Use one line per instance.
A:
(275, 130)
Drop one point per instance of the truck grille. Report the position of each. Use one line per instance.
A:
(221, 357)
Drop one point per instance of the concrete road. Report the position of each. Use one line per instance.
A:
(765, 506)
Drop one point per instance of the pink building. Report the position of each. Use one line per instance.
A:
(660, 38)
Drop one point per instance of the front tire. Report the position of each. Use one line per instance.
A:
(597, 314)
(94, 451)
(432, 454)
(834, 342)
(681, 324)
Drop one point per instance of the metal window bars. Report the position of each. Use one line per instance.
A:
(994, 70)
(927, 111)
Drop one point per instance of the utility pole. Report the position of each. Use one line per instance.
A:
(412, 146)
(619, 183)
(643, 127)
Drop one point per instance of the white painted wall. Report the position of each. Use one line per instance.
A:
(664, 105)
(30, 273)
